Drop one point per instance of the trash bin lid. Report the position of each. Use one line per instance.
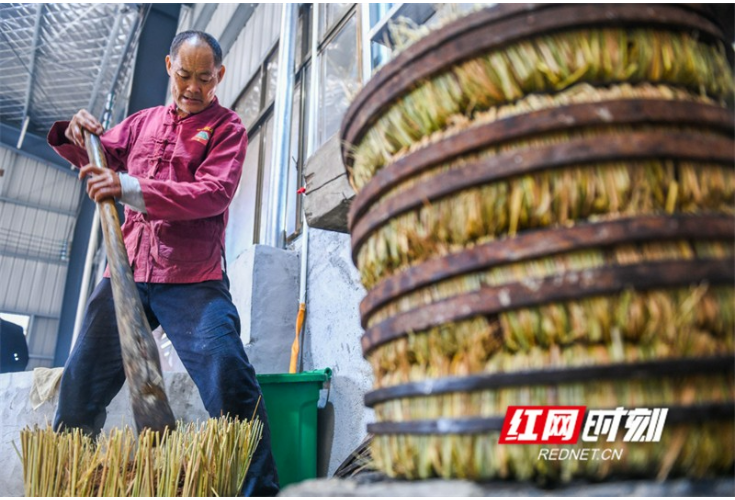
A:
(279, 378)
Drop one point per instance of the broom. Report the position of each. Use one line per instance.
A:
(209, 459)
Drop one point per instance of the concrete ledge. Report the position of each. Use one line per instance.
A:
(328, 192)
(375, 485)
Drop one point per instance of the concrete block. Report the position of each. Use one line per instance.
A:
(328, 192)
(264, 282)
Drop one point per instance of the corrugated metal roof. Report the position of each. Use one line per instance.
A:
(59, 58)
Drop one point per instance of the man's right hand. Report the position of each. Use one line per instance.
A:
(82, 120)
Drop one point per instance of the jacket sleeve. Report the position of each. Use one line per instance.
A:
(214, 184)
(115, 143)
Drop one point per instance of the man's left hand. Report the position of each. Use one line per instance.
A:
(103, 183)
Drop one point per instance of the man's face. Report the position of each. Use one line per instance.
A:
(194, 77)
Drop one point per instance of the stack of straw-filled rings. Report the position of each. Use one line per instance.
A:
(545, 217)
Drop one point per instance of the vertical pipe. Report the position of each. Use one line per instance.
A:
(309, 150)
(94, 241)
(275, 234)
(313, 82)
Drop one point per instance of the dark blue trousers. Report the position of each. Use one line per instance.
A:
(202, 323)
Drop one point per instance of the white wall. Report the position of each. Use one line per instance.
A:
(332, 339)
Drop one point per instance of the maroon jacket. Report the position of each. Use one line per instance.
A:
(189, 169)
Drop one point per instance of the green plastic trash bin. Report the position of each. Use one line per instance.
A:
(291, 400)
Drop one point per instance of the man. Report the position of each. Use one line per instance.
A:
(176, 169)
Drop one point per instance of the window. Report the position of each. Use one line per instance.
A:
(338, 72)
(248, 106)
(271, 67)
(250, 207)
(384, 15)
(241, 225)
(255, 108)
(329, 15)
(379, 53)
(266, 168)
(293, 202)
(299, 122)
(254, 103)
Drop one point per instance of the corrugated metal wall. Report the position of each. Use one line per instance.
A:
(42, 341)
(38, 208)
(221, 17)
(197, 10)
(31, 287)
(249, 50)
(185, 17)
(260, 33)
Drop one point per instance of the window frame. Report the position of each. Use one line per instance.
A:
(266, 111)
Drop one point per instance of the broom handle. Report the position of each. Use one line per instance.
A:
(295, 346)
(139, 352)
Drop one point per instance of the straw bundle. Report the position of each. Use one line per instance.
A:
(631, 327)
(579, 260)
(195, 460)
(693, 319)
(576, 94)
(704, 454)
(544, 199)
(605, 394)
(547, 64)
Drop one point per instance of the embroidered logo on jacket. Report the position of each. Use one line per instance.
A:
(203, 135)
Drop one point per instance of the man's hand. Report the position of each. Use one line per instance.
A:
(103, 183)
(82, 120)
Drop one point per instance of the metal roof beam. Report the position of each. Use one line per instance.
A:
(204, 17)
(106, 116)
(106, 58)
(45, 208)
(24, 256)
(31, 73)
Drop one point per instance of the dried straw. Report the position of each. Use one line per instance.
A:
(575, 261)
(627, 327)
(690, 450)
(576, 66)
(544, 199)
(547, 64)
(208, 459)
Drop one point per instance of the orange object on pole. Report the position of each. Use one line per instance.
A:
(295, 347)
